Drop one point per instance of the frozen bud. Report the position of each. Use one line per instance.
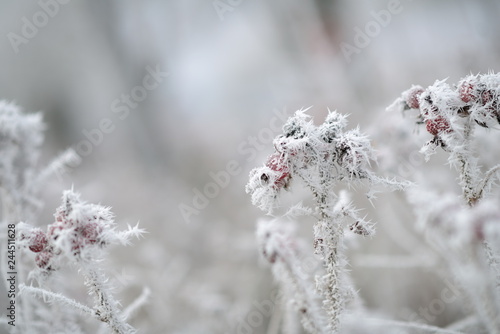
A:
(437, 125)
(468, 89)
(34, 238)
(411, 97)
(333, 126)
(427, 106)
(38, 241)
(353, 151)
(298, 126)
(277, 164)
(362, 228)
(91, 232)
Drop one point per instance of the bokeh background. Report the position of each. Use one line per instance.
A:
(232, 67)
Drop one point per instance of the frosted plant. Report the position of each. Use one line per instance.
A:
(467, 240)
(322, 157)
(464, 233)
(80, 234)
(78, 237)
(451, 114)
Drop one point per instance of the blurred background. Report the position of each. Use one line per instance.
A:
(157, 97)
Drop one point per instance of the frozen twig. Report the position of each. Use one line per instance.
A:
(51, 297)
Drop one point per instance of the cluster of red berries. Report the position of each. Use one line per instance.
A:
(81, 232)
(472, 90)
(435, 123)
(476, 96)
(37, 242)
(483, 92)
(70, 234)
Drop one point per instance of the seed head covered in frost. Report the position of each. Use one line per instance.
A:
(447, 111)
(80, 233)
(451, 114)
(327, 152)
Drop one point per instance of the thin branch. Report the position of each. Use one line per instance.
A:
(50, 297)
(486, 181)
(137, 304)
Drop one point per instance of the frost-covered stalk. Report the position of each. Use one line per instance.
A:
(79, 235)
(322, 156)
(281, 250)
(106, 308)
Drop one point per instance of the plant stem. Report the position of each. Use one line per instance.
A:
(330, 234)
(467, 166)
(106, 308)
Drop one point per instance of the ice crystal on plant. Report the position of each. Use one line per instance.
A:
(321, 155)
(451, 115)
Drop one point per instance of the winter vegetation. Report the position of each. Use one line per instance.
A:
(249, 167)
(321, 157)
(463, 232)
(77, 238)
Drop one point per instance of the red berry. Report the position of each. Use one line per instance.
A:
(90, 232)
(412, 97)
(437, 125)
(277, 164)
(467, 91)
(38, 241)
(42, 259)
